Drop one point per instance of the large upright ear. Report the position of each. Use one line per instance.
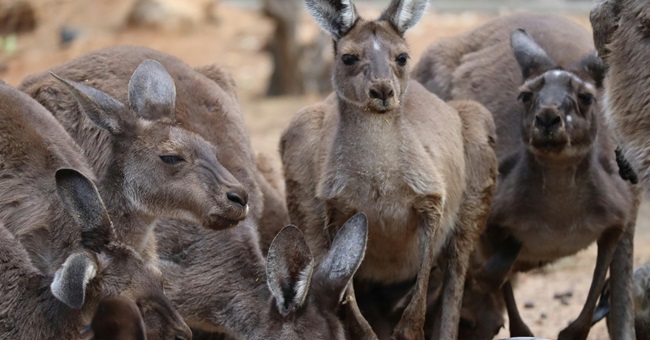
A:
(70, 281)
(592, 66)
(152, 93)
(104, 110)
(344, 257)
(531, 57)
(289, 267)
(335, 17)
(80, 197)
(404, 14)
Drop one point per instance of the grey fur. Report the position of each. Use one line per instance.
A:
(559, 190)
(152, 93)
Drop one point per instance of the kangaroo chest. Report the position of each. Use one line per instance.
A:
(552, 223)
(378, 175)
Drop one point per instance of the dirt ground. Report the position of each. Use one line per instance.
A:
(236, 41)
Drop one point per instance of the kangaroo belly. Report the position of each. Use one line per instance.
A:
(546, 243)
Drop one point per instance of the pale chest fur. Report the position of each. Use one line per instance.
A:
(385, 172)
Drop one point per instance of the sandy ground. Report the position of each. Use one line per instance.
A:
(236, 42)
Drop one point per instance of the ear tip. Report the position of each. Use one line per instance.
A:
(290, 234)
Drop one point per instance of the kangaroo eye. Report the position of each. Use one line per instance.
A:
(172, 159)
(402, 59)
(586, 98)
(525, 97)
(349, 59)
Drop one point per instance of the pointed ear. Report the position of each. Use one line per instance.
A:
(289, 267)
(152, 92)
(80, 197)
(70, 281)
(531, 57)
(592, 66)
(335, 17)
(404, 14)
(101, 108)
(344, 257)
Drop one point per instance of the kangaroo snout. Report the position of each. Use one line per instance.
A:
(548, 121)
(381, 95)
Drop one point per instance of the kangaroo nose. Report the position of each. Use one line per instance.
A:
(239, 198)
(548, 121)
(382, 92)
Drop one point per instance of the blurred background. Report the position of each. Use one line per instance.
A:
(281, 62)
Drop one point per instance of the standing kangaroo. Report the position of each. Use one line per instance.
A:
(59, 256)
(421, 170)
(147, 165)
(558, 190)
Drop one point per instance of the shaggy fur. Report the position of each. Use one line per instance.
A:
(422, 170)
(199, 186)
(38, 235)
(558, 191)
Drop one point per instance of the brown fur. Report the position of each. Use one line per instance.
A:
(39, 235)
(166, 190)
(385, 146)
(118, 319)
(558, 190)
(275, 215)
(620, 29)
(228, 289)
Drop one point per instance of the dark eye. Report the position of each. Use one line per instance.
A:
(172, 159)
(586, 98)
(402, 59)
(349, 59)
(525, 97)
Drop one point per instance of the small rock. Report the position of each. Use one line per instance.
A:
(529, 305)
(67, 34)
(543, 316)
(563, 295)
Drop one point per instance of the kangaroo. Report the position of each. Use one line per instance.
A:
(619, 28)
(558, 189)
(421, 170)
(59, 255)
(147, 165)
(117, 318)
(233, 289)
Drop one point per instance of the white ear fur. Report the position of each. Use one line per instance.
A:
(335, 17)
(70, 281)
(404, 14)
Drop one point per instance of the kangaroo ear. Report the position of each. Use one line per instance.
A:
(335, 17)
(532, 59)
(289, 267)
(344, 256)
(104, 110)
(404, 14)
(152, 92)
(80, 197)
(70, 281)
(592, 66)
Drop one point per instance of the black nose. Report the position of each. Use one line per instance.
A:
(382, 92)
(238, 198)
(548, 121)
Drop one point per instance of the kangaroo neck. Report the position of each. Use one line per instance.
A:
(556, 177)
(131, 224)
(358, 126)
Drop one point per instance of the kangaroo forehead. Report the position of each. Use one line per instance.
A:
(371, 34)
